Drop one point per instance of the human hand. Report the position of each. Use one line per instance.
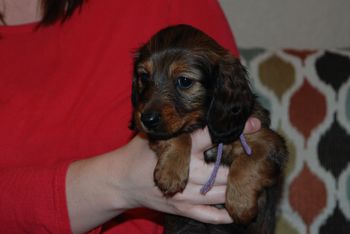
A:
(141, 190)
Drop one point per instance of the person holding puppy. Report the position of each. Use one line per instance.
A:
(68, 162)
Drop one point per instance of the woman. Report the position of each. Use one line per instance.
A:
(68, 161)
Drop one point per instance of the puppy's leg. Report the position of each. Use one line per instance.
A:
(250, 175)
(243, 185)
(242, 191)
(172, 170)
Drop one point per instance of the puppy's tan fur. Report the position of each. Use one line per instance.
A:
(183, 81)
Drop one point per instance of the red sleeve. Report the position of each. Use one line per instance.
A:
(34, 200)
(206, 15)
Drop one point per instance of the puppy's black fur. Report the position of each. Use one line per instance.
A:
(184, 80)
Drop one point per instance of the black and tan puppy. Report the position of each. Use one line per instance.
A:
(184, 80)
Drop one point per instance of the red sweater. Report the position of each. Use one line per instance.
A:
(64, 95)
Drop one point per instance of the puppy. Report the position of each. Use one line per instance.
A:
(184, 80)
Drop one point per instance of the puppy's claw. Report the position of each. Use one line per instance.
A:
(169, 182)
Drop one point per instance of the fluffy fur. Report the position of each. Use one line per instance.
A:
(184, 80)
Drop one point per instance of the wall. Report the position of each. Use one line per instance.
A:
(289, 23)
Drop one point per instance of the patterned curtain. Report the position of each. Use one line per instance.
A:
(308, 94)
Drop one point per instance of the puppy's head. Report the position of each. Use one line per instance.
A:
(184, 80)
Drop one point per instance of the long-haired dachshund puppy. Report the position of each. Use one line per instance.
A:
(184, 80)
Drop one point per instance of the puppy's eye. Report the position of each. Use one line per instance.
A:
(143, 77)
(184, 82)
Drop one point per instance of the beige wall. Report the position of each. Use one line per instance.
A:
(289, 23)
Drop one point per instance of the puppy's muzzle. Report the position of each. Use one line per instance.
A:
(150, 119)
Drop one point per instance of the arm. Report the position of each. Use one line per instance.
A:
(97, 189)
(109, 184)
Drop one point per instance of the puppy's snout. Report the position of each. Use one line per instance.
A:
(150, 119)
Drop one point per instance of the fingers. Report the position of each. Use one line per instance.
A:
(209, 214)
(193, 196)
(252, 125)
(200, 173)
(201, 140)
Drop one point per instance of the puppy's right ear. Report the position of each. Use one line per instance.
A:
(134, 90)
(134, 102)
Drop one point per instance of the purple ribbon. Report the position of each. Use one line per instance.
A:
(209, 184)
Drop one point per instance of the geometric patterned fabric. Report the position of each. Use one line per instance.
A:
(308, 95)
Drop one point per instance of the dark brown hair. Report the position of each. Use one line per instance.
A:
(2, 18)
(55, 10)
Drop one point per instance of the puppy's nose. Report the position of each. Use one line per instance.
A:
(150, 119)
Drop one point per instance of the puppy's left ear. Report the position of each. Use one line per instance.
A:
(232, 102)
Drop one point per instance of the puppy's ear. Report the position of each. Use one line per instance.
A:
(232, 102)
(134, 101)
(134, 89)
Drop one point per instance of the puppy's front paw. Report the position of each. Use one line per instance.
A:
(170, 180)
